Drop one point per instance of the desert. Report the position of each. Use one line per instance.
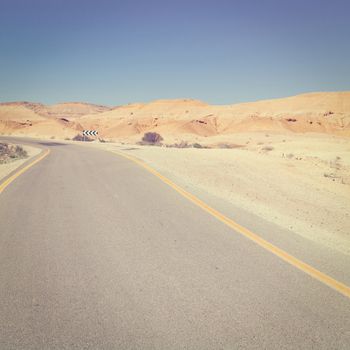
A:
(286, 160)
(301, 183)
(174, 175)
(181, 119)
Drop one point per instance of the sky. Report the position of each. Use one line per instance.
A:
(220, 51)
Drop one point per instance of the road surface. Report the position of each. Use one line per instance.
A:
(97, 253)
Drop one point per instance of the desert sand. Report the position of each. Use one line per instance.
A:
(301, 183)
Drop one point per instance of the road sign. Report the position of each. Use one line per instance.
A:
(90, 132)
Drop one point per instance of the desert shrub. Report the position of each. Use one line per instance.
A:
(185, 144)
(4, 152)
(80, 137)
(182, 144)
(8, 152)
(267, 148)
(21, 152)
(197, 145)
(152, 138)
(328, 113)
(224, 145)
(3, 148)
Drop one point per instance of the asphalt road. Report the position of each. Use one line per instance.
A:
(97, 253)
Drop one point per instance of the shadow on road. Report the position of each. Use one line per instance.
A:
(49, 144)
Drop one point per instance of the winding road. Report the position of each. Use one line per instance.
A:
(97, 253)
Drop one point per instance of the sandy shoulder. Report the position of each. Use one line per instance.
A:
(7, 168)
(302, 183)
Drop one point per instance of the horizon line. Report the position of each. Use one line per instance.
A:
(167, 99)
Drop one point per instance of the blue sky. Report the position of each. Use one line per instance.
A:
(116, 52)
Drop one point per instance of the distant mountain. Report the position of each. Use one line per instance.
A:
(69, 109)
(323, 112)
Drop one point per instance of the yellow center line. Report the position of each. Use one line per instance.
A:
(311, 271)
(22, 170)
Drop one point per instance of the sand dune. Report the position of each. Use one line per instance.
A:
(324, 112)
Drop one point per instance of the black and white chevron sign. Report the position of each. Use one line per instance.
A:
(90, 132)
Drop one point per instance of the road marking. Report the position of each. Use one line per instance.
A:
(311, 271)
(22, 170)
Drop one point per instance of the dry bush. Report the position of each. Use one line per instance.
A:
(182, 144)
(197, 145)
(20, 152)
(223, 145)
(11, 152)
(185, 144)
(80, 137)
(151, 138)
(267, 148)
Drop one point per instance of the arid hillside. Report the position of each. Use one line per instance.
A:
(36, 119)
(326, 112)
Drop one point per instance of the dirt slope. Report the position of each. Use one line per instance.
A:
(315, 112)
(35, 119)
(324, 112)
